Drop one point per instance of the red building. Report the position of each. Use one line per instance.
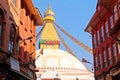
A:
(18, 21)
(104, 27)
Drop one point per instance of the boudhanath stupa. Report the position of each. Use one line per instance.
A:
(54, 63)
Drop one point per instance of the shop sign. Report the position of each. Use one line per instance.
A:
(14, 64)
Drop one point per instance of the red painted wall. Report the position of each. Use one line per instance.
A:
(108, 42)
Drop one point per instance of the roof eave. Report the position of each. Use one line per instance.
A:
(38, 18)
(98, 15)
(30, 6)
(90, 24)
(35, 12)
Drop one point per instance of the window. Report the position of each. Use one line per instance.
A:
(0, 33)
(96, 62)
(94, 36)
(106, 27)
(102, 33)
(109, 56)
(114, 52)
(1, 24)
(11, 37)
(98, 37)
(119, 6)
(105, 59)
(100, 58)
(111, 22)
(115, 13)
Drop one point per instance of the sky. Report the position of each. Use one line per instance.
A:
(73, 16)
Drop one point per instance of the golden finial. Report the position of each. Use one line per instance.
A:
(49, 14)
(49, 8)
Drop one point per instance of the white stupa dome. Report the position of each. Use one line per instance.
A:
(58, 58)
(61, 63)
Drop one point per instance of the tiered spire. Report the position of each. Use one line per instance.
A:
(49, 36)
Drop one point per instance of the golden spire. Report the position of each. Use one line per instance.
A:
(49, 36)
(49, 14)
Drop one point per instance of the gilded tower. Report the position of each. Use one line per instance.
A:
(49, 37)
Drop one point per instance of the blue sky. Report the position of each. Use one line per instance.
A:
(73, 16)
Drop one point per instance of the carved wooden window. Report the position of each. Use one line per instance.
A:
(98, 37)
(111, 22)
(114, 52)
(11, 38)
(96, 62)
(100, 59)
(106, 27)
(94, 36)
(115, 13)
(1, 24)
(105, 58)
(109, 56)
(102, 33)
